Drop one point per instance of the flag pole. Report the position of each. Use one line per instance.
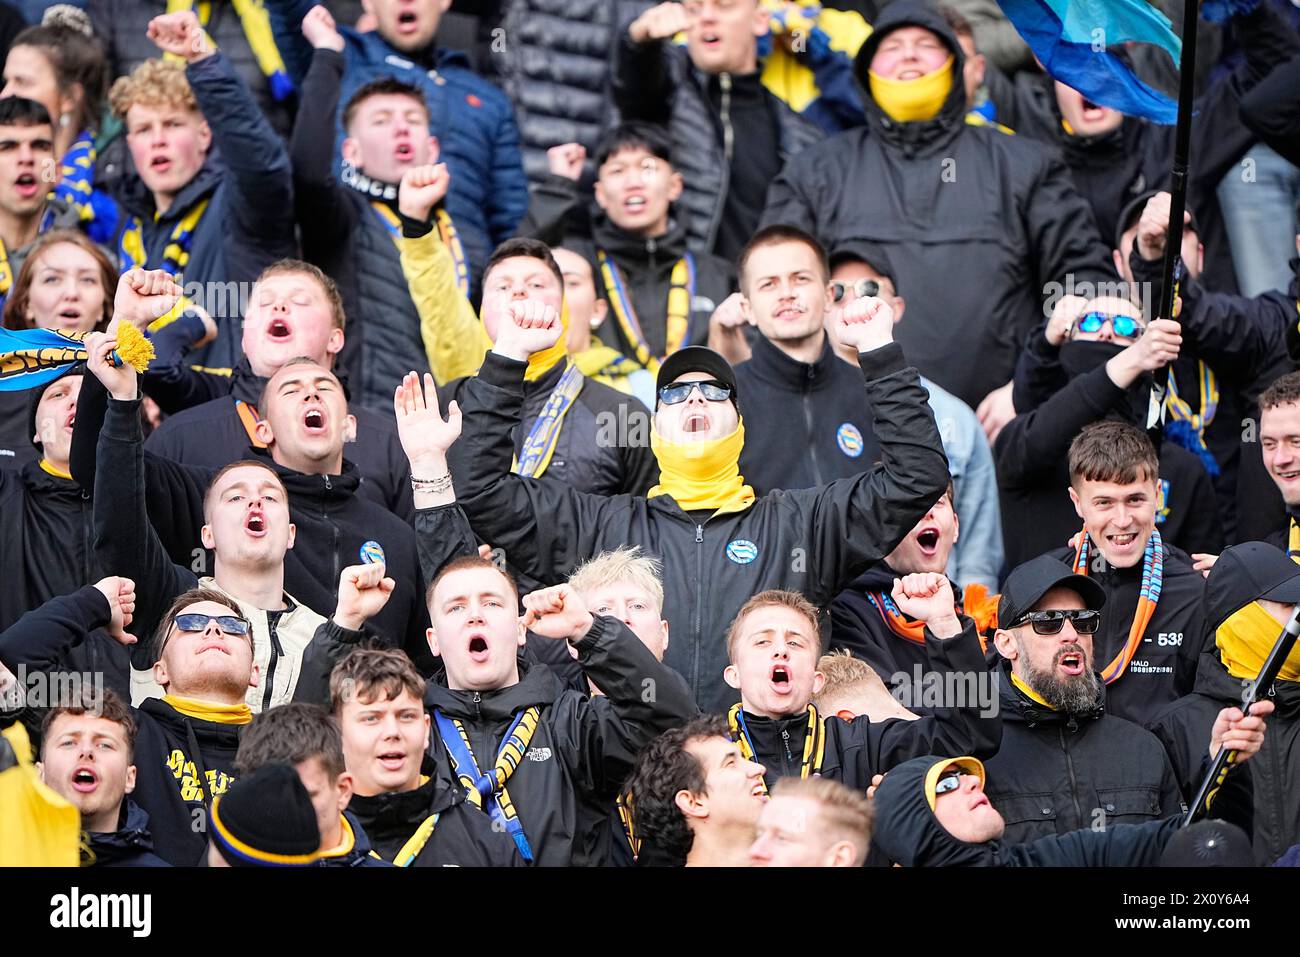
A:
(1170, 271)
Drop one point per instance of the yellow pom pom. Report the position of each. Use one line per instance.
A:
(133, 348)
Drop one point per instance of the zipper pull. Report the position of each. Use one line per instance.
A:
(699, 533)
(328, 483)
(477, 699)
(785, 740)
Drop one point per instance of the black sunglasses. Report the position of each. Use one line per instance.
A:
(861, 289)
(230, 624)
(949, 780)
(711, 389)
(1051, 622)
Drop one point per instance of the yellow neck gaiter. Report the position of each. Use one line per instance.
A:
(209, 711)
(907, 101)
(540, 363)
(54, 470)
(702, 475)
(1029, 692)
(1245, 640)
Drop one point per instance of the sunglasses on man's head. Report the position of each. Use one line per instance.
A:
(1051, 622)
(861, 289)
(949, 780)
(1126, 327)
(711, 389)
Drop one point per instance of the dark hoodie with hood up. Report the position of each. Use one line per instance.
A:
(1032, 456)
(1184, 728)
(995, 217)
(908, 833)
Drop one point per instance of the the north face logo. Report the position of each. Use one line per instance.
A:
(539, 754)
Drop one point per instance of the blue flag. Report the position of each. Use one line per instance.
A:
(33, 357)
(1072, 37)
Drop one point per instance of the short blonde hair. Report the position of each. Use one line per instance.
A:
(625, 563)
(845, 675)
(153, 83)
(846, 815)
(772, 598)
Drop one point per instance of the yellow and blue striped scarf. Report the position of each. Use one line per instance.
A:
(176, 254)
(257, 30)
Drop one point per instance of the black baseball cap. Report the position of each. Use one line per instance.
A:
(696, 359)
(1029, 582)
(1247, 572)
(1133, 212)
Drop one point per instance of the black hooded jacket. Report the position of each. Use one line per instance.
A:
(908, 833)
(332, 523)
(815, 541)
(1032, 457)
(859, 749)
(1185, 726)
(583, 748)
(1058, 772)
(817, 408)
(131, 845)
(981, 252)
(173, 752)
(462, 837)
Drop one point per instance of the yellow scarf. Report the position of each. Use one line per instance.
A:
(703, 475)
(255, 20)
(907, 101)
(1029, 692)
(540, 363)
(1245, 640)
(209, 711)
(1293, 542)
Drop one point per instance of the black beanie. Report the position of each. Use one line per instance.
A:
(35, 395)
(266, 820)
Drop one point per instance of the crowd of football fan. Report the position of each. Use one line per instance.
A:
(606, 433)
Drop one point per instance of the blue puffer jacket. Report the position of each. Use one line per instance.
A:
(472, 119)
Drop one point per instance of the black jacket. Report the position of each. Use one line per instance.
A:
(591, 453)
(1271, 112)
(858, 627)
(171, 750)
(582, 746)
(463, 836)
(140, 490)
(1185, 726)
(908, 833)
(813, 540)
(859, 749)
(359, 853)
(1163, 668)
(1057, 772)
(816, 411)
(1244, 342)
(645, 265)
(1032, 456)
(203, 428)
(657, 82)
(131, 845)
(982, 253)
(46, 527)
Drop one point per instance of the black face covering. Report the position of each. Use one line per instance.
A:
(1081, 357)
